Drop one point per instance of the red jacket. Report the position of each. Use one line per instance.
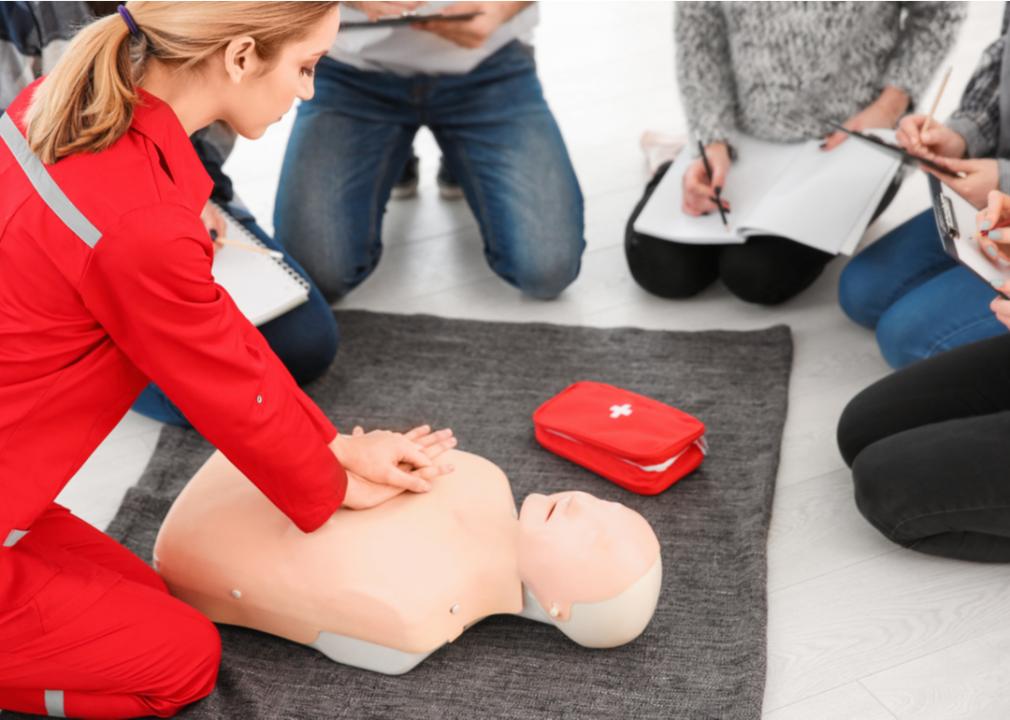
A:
(109, 288)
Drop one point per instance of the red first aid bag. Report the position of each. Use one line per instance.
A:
(641, 444)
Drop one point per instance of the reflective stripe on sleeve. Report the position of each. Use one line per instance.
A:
(44, 184)
(13, 536)
(54, 703)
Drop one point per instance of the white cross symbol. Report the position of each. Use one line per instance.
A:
(617, 411)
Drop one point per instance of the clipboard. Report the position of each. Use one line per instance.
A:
(409, 18)
(959, 246)
(897, 150)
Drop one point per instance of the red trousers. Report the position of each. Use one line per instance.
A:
(102, 638)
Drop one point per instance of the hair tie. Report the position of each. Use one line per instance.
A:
(128, 19)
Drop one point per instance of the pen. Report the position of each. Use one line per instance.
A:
(276, 255)
(936, 100)
(718, 190)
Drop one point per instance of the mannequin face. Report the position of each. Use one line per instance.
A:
(257, 94)
(576, 548)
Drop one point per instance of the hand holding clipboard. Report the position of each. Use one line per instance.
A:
(971, 178)
(978, 250)
(410, 17)
(900, 152)
(466, 24)
(993, 229)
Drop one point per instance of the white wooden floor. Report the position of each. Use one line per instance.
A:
(858, 629)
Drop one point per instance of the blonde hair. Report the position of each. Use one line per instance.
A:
(86, 103)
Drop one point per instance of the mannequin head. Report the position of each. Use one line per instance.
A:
(593, 566)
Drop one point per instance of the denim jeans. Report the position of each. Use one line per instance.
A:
(916, 297)
(305, 338)
(499, 140)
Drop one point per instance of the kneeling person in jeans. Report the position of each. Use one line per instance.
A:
(474, 84)
(927, 444)
(917, 299)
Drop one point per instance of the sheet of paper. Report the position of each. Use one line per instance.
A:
(794, 190)
(968, 250)
(756, 162)
(826, 199)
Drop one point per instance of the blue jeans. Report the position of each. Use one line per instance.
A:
(305, 338)
(916, 297)
(499, 140)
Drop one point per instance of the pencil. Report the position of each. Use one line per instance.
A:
(718, 190)
(251, 248)
(936, 100)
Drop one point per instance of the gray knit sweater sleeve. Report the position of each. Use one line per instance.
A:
(928, 31)
(704, 70)
(977, 118)
(784, 71)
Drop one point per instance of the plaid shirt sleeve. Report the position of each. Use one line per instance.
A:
(977, 119)
(929, 30)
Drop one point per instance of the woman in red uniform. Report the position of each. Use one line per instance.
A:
(105, 285)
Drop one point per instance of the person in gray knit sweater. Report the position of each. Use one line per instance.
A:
(782, 72)
(902, 284)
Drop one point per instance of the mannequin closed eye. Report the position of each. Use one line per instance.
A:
(572, 505)
(578, 548)
(551, 511)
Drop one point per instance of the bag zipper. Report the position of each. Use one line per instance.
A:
(700, 442)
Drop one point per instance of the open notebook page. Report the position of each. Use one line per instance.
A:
(825, 199)
(757, 163)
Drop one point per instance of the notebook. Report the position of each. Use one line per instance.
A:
(263, 287)
(793, 190)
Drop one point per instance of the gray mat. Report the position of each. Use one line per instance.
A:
(703, 655)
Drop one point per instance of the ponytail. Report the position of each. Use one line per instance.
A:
(86, 103)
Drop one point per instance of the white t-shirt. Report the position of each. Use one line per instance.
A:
(405, 51)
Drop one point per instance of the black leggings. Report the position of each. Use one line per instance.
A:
(766, 269)
(929, 448)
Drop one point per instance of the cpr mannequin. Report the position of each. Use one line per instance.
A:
(383, 588)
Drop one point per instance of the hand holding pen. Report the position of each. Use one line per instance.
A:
(704, 180)
(993, 237)
(993, 234)
(217, 229)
